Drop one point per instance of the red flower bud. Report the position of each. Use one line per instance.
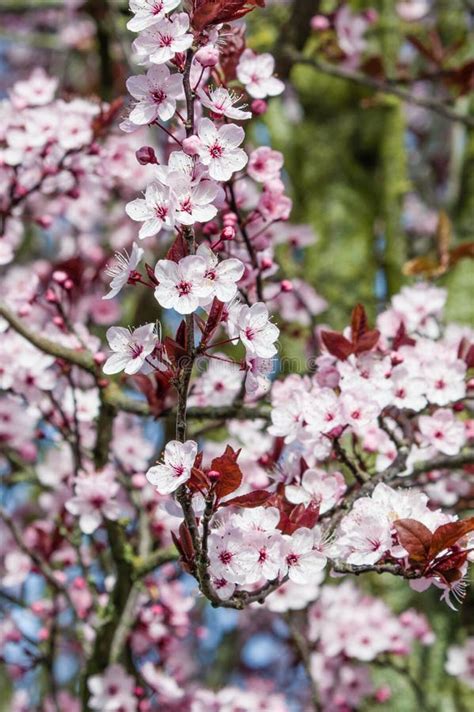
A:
(259, 107)
(146, 155)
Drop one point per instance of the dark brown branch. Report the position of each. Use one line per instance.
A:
(334, 70)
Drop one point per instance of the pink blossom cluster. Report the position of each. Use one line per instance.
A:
(348, 629)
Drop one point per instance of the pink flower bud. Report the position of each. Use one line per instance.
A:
(458, 407)
(213, 475)
(74, 193)
(59, 276)
(371, 15)
(144, 706)
(146, 155)
(191, 145)
(207, 56)
(266, 263)
(139, 691)
(138, 481)
(51, 297)
(43, 634)
(258, 107)
(58, 321)
(44, 221)
(319, 23)
(100, 358)
(28, 452)
(286, 286)
(230, 219)
(228, 233)
(68, 284)
(383, 694)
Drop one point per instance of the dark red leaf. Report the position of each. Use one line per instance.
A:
(401, 338)
(367, 341)
(213, 12)
(252, 499)
(186, 541)
(337, 344)
(213, 321)
(151, 273)
(447, 535)
(230, 473)
(415, 538)
(358, 323)
(198, 480)
(178, 250)
(181, 335)
(175, 352)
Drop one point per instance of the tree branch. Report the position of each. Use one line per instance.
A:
(381, 86)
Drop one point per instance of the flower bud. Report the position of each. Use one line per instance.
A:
(138, 480)
(100, 358)
(51, 297)
(230, 219)
(146, 155)
(319, 23)
(191, 145)
(286, 285)
(266, 263)
(228, 233)
(258, 107)
(44, 221)
(371, 15)
(68, 284)
(207, 56)
(58, 321)
(213, 475)
(59, 276)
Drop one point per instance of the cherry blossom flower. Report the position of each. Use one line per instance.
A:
(159, 43)
(176, 467)
(256, 331)
(224, 274)
(460, 661)
(219, 150)
(130, 348)
(149, 12)
(122, 269)
(255, 71)
(442, 431)
(222, 103)
(324, 488)
(182, 285)
(302, 561)
(192, 203)
(93, 499)
(261, 557)
(156, 93)
(258, 371)
(155, 211)
(265, 164)
(114, 690)
(350, 30)
(38, 90)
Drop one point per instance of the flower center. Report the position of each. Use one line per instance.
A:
(184, 288)
(158, 96)
(216, 151)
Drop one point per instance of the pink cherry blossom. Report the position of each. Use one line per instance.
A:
(122, 269)
(301, 559)
(265, 164)
(155, 211)
(130, 348)
(175, 470)
(219, 149)
(156, 93)
(160, 42)
(148, 13)
(442, 431)
(222, 102)
(224, 274)
(182, 285)
(255, 71)
(93, 499)
(256, 331)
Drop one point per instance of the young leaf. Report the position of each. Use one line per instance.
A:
(250, 500)
(415, 538)
(230, 473)
(337, 344)
(447, 535)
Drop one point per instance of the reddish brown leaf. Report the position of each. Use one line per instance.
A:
(447, 535)
(186, 541)
(401, 338)
(213, 321)
(367, 342)
(252, 499)
(358, 323)
(198, 480)
(415, 538)
(230, 473)
(178, 250)
(213, 12)
(337, 344)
